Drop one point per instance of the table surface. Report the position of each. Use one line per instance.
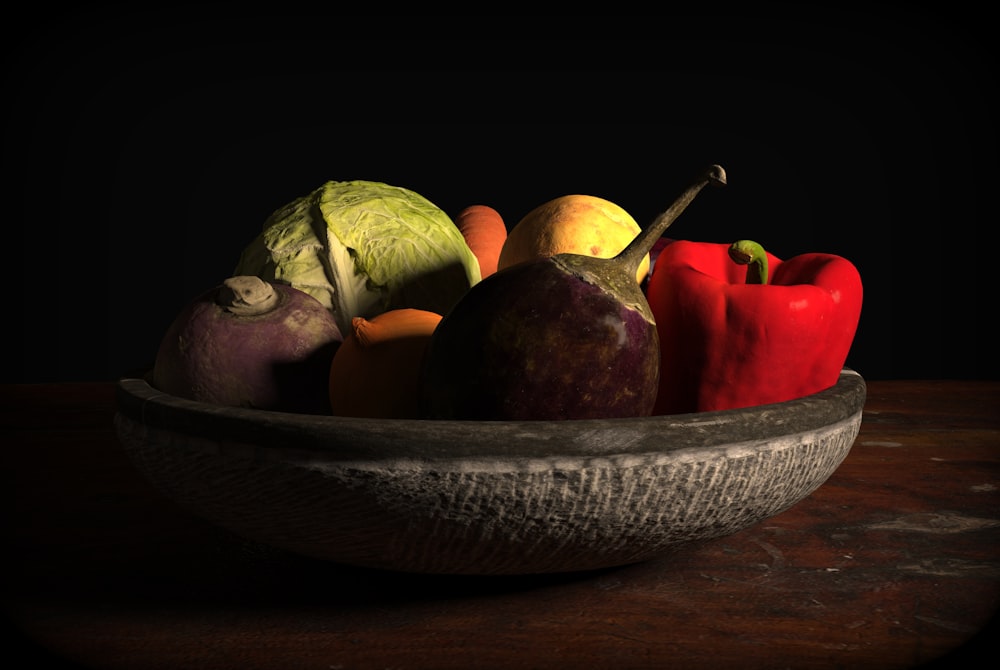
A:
(893, 563)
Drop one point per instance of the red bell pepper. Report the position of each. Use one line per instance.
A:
(739, 327)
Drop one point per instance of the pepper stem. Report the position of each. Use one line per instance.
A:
(752, 255)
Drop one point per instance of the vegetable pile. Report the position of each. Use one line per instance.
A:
(341, 303)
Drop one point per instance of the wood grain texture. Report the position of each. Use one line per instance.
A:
(893, 563)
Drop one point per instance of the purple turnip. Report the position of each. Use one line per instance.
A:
(250, 343)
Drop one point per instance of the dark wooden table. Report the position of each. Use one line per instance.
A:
(893, 563)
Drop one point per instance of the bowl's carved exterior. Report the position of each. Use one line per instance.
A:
(487, 497)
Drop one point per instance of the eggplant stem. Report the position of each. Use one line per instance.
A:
(632, 255)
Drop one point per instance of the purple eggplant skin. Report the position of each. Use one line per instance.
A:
(565, 337)
(278, 360)
(536, 342)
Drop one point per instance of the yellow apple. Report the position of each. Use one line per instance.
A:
(578, 224)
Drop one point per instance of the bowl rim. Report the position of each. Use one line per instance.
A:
(351, 437)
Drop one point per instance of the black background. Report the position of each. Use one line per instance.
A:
(142, 150)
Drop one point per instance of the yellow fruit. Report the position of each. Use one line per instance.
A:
(578, 224)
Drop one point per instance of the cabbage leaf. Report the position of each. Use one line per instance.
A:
(362, 248)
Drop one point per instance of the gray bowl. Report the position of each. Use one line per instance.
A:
(468, 497)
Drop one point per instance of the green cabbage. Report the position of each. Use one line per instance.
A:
(362, 248)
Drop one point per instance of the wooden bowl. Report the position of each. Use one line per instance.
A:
(468, 497)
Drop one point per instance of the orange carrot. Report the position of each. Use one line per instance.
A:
(375, 371)
(485, 232)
